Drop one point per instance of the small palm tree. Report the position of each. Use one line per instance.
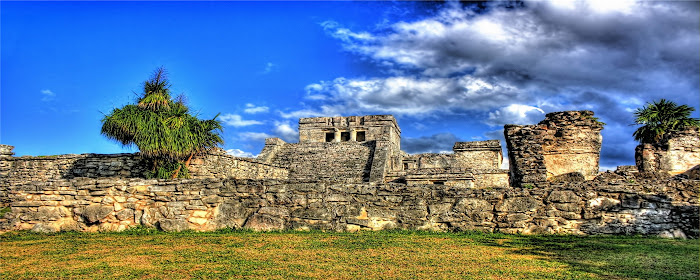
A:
(162, 129)
(661, 117)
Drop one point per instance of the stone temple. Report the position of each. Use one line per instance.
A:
(349, 173)
(368, 149)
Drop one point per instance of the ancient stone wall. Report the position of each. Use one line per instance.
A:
(468, 155)
(479, 154)
(564, 142)
(222, 165)
(348, 161)
(612, 204)
(678, 152)
(41, 168)
(71, 166)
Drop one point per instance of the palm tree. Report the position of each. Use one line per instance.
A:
(162, 129)
(662, 117)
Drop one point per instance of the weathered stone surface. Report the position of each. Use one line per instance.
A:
(96, 212)
(45, 228)
(590, 207)
(173, 225)
(343, 186)
(678, 152)
(518, 205)
(564, 142)
(563, 196)
(265, 222)
(125, 214)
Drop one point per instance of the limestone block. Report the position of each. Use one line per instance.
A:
(563, 196)
(518, 204)
(312, 214)
(173, 225)
(231, 214)
(125, 214)
(265, 222)
(45, 228)
(95, 212)
(603, 204)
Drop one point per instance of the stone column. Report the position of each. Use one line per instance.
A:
(6, 150)
(353, 135)
(336, 135)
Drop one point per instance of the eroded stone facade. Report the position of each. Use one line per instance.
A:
(355, 181)
(564, 142)
(676, 153)
(613, 204)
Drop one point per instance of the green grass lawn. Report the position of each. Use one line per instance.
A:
(147, 254)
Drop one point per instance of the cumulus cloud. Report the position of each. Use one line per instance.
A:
(407, 95)
(237, 121)
(254, 136)
(515, 62)
(47, 95)
(239, 153)
(544, 43)
(285, 131)
(437, 143)
(541, 50)
(252, 109)
(515, 114)
(269, 68)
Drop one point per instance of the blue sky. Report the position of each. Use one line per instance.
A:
(448, 71)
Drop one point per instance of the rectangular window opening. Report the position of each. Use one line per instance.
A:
(360, 136)
(344, 136)
(330, 136)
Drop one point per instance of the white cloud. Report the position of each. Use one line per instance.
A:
(269, 67)
(517, 62)
(285, 131)
(307, 113)
(344, 34)
(240, 153)
(254, 136)
(437, 143)
(237, 121)
(48, 95)
(515, 114)
(252, 109)
(406, 95)
(544, 49)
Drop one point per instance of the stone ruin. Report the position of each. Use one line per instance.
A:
(368, 149)
(349, 173)
(678, 152)
(563, 143)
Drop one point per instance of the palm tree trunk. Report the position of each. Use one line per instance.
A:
(177, 171)
(187, 164)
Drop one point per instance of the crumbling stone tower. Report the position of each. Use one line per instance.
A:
(676, 153)
(564, 142)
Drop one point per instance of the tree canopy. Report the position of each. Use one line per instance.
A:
(660, 118)
(162, 128)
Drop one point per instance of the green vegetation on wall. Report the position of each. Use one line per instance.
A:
(662, 117)
(162, 128)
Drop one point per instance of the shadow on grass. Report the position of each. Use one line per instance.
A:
(614, 257)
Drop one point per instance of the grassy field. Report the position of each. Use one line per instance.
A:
(147, 254)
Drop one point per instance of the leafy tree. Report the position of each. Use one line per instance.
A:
(162, 128)
(661, 117)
